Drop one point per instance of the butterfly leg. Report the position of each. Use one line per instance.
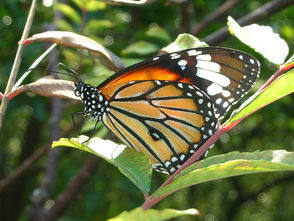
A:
(73, 114)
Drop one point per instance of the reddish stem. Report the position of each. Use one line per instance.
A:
(150, 201)
(278, 73)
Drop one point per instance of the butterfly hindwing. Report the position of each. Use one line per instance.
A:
(166, 120)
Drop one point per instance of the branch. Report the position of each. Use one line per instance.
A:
(255, 16)
(219, 12)
(16, 62)
(185, 22)
(73, 189)
(28, 163)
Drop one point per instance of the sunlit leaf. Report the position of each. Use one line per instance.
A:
(158, 32)
(131, 163)
(228, 165)
(99, 25)
(184, 41)
(69, 12)
(141, 48)
(90, 5)
(281, 87)
(262, 39)
(63, 25)
(152, 214)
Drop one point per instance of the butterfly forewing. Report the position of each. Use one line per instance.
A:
(225, 75)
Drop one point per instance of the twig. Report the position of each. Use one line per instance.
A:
(219, 12)
(255, 16)
(48, 181)
(185, 23)
(16, 62)
(27, 164)
(128, 2)
(35, 63)
(73, 189)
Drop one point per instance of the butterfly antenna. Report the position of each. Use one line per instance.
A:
(75, 76)
(70, 70)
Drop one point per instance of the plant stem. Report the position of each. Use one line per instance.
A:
(150, 201)
(16, 62)
(225, 127)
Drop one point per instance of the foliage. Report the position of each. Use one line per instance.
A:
(126, 31)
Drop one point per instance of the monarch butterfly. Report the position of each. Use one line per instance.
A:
(168, 106)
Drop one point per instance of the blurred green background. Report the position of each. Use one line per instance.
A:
(134, 34)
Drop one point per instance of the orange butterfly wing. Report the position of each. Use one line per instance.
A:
(162, 119)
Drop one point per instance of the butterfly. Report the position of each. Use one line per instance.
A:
(169, 105)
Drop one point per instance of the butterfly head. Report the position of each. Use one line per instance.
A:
(94, 102)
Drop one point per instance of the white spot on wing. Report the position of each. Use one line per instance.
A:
(204, 57)
(198, 93)
(182, 62)
(225, 104)
(213, 77)
(174, 159)
(167, 163)
(218, 101)
(194, 52)
(211, 66)
(231, 100)
(172, 170)
(226, 93)
(214, 89)
(174, 56)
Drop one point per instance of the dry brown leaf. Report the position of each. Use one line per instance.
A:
(48, 87)
(74, 40)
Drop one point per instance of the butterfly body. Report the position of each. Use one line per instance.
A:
(168, 106)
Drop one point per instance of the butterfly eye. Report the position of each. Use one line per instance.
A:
(77, 93)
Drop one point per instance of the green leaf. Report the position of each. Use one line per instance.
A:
(228, 165)
(69, 12)
(184, 41)
(279, 88)
(141, 48)
(90, 5)
(99, 25)
(64, 25)
(133, 164)
(262, 39)
(152, 214)
(158, 32)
